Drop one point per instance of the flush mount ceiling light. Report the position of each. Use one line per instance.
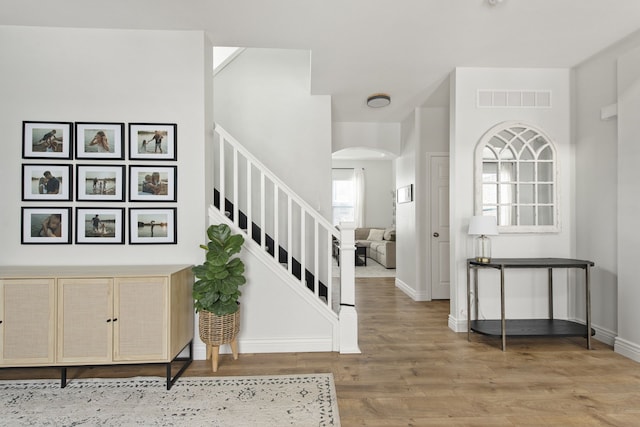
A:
(378, 100)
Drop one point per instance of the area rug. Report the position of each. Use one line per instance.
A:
(372, 269)
(295, 400)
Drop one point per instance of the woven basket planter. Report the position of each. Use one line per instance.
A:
(217, 330)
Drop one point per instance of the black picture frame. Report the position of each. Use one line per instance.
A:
(100, 182)
(153, 141)
(99, 140)
(47, 140)
(46, 182)
(153, 183)
(100, 226)
(153, 226)
(38, 225)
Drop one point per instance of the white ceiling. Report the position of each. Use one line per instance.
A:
(402, 47)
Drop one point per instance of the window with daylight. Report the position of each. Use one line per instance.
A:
(343, 196)
(516, 179)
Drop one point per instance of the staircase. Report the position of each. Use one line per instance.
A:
(291, 236)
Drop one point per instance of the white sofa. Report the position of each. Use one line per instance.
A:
(380, 244)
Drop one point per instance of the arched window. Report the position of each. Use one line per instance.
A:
(516, 178)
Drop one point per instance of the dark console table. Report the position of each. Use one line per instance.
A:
(360, 254)
(527, 327)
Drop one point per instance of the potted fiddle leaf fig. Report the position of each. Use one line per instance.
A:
(216, 290)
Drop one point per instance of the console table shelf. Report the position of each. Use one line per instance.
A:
(531, 328)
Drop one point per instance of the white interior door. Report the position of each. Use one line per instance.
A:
(439, 206)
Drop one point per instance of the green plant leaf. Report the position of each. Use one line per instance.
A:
(233, 244)
(218, 258)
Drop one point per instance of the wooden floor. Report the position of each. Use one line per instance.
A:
(414, 371)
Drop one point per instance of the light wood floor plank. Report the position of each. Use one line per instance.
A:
(414, 371)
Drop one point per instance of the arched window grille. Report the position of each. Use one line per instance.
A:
(516, 178)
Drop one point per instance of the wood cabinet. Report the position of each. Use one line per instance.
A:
(74, 316)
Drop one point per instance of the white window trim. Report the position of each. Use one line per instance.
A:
(478, 179)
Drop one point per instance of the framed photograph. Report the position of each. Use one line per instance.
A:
(152, 141)
(405, 194)
(152, 183)
(100, 226)
(99, 140)
(100, 182)
(46, 226)
(47, 140)
(46, 182)
(152, 226)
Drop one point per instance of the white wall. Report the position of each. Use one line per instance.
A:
(433, 125)
(405, 165)
(628, 340)
(469, 123)
(111, 76)
(262, 98)
(384, 137)
(424, 131)
(606, 164)
(379, 189)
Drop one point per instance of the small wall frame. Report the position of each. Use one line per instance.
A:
(405, 194)
(152, 183)
(45, 181)
(152, 141)
(152, 226)
(47, 140)
(99, 140)
(100, 225)
(100, 183)
(46, 226)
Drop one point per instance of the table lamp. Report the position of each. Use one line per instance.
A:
(482, 227)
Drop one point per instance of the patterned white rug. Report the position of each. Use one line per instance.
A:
(372, 269)
(296, 400)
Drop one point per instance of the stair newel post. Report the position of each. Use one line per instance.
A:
(348, 315)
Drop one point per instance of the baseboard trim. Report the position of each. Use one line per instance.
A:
(411, 293)
(276, 345)
(604, 335)
(457, 325)
(627, 349)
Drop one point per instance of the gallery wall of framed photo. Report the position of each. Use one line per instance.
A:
(86, 183)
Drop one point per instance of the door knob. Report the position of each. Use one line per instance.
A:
(436, 234)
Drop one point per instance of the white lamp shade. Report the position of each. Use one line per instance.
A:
(481, 225)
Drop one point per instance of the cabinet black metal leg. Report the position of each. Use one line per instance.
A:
(187, 361)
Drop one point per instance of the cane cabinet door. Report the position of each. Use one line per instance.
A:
(27, 319)
(85, 320)
(141, 307)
